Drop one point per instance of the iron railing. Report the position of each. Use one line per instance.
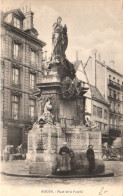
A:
(114, 84)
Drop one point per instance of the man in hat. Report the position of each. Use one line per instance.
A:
(65, 158)
(91, 158)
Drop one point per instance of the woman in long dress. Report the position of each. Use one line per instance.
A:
(65, 158)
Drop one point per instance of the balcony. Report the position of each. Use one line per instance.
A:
(114, 127)
(114, 130)
(6, 116)
(17, 58)
(16, 84)
(115, 111)
(114, 98)
(33, 64)
(113, 84)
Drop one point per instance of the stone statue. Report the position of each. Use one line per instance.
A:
(59, 39)
(47, 116)
(47, 107)
(59, 46)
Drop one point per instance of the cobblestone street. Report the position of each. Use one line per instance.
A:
(84, 186)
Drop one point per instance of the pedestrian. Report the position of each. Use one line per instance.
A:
(91, 158)
(65, 158)
(72, 161)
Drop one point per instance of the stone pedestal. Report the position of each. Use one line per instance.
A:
(44, 144)
(44, 164)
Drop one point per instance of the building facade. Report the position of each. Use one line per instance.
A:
(115, 98)
(21, 70)
(110, 84)
(97, 107)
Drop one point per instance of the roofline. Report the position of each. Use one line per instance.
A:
(24, 33)
(11, 11)
(96, 99)
(103, 64)
(109, 68)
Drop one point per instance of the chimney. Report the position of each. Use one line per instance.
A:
(112, 64)
(94, 71)
(28, 21)
(99, 57)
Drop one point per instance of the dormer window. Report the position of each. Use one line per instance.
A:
(17, 23)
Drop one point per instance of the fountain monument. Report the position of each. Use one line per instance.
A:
(61, 115)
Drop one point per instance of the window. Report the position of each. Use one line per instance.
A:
(99, 112)
(17, 23)
(105, 128)
(114, 78)
(118, 96)
(15, 107)
(110, 105)
(114, 94)
(94, 110)
(110, 92)
(15, 76)
(33, 56)
(105, 114)
(32, 109)
(109, 77)
(32, 81)
(114, 109)
(119, 108)
(16, 51)
(99, 125)
(118, 81)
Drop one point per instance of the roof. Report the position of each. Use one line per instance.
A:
(112, 70)
(97, 96)
(17, 12)
(21, 32)
(109, 68)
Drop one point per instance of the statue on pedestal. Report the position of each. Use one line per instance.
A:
(59, 39)
(59, 46)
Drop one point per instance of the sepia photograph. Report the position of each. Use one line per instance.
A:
(61, 92)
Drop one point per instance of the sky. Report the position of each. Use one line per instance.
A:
(91, 24)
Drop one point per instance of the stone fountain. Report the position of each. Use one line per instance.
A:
(61, 115)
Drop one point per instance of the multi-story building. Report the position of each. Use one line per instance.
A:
(21, 69)
(110, 84)
(115, 98)
(97, 108)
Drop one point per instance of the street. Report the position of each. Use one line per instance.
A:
(111, 186)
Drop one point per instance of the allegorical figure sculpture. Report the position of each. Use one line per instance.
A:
(46, 117)
(59, 46)
(59, 39)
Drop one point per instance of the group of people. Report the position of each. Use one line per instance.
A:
(67, 162)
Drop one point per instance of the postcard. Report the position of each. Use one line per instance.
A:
(61, 95)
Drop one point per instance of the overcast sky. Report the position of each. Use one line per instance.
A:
(92, 24)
